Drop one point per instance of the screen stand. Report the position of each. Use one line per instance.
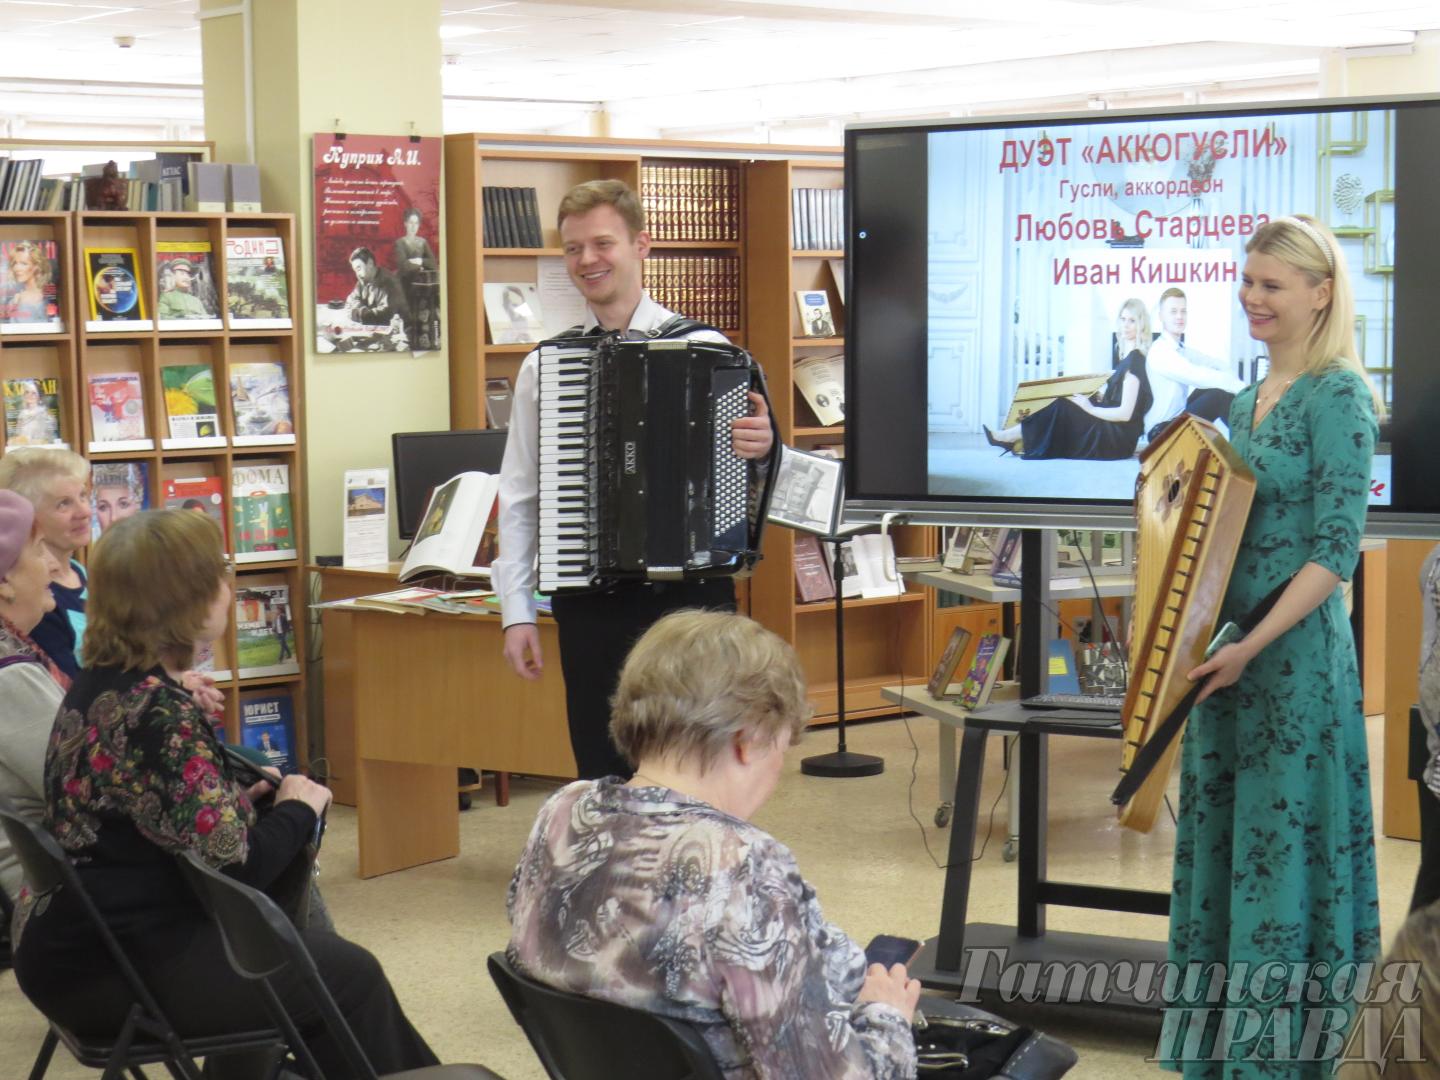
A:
(842, 762)
(1038, 623)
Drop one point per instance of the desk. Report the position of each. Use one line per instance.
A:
(939, 962)
(424, 694)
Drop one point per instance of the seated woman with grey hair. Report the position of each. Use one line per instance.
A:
(660, 895)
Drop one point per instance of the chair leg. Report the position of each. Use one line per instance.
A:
(47, 1051)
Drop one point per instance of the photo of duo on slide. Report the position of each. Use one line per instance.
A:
(1156, 378)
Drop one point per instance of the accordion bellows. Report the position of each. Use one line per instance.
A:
(1192, 499)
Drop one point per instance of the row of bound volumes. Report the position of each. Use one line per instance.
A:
(817, 219)
(512, 217)
(691, 202)
(704, 287)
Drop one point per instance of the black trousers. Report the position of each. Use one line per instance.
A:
(1207, 403)
(63, 969)
(1427, 878)
(597, 630)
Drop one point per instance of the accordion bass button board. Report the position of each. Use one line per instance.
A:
(638, 475)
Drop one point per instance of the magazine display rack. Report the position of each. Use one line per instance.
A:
(888, 639)
(135, 354)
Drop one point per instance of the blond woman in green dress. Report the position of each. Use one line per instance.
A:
(1275, 854)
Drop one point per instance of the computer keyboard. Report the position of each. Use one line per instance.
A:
(1100, 703)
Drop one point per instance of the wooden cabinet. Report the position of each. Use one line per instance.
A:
(86, 349)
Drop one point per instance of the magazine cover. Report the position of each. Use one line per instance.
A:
(267, 724)
(117, 408)
(260, 513)
(815, 318)
(185, 283)
(257, 295)
(115, 292)
(513, 311)
(117, 490)
(203, 494)
(190, 408)
(377, 243)
(260, 394)
(264, 631)
(29, 287)
(32, 412)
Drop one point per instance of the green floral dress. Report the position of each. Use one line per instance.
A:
(1275, 849)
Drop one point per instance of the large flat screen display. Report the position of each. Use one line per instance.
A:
(994, 266)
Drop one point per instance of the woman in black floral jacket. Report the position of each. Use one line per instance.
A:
(133, 776)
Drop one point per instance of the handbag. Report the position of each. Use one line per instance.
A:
(291, 889)
(960, 1042)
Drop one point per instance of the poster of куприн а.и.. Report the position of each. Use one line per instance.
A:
(377, 243)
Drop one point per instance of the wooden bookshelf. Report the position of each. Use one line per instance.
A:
(81, 351)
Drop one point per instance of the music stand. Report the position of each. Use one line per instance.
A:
(841, 762)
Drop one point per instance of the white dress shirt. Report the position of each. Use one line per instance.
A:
(1174, 370)
(513, 573)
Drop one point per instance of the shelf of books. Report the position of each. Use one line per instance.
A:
(163, 351)
(795, 280)
(508, 286)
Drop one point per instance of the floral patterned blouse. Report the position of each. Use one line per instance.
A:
(134, 775)
(647, 897)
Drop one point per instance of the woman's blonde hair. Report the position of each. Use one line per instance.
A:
(153, 578)
(38, 259)
(1143, 334)
(30, 470)
(697, 679)
(1305, 244)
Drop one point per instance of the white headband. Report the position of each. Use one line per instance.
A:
(1314, 234)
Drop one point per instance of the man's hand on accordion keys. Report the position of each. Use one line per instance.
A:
(751, 435)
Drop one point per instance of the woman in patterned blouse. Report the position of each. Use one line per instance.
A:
(659, 894)
(134, 775)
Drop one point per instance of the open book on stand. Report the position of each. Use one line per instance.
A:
(458, 533)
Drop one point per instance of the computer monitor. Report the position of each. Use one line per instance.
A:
(425, 459)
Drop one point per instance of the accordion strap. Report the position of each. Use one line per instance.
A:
(1148, 756)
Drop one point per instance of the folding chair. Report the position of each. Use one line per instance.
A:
(146, 1037)
(586, 1038)
(262, 943)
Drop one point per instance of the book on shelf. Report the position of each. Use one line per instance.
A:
(20, 180)
(817, 219)
(117, 411)
(202, 494)
(849, 580)
(919, 564)
(185, 279)
(267, 724)
(206, 188)
(242, 188)
(499, 397)
(691, 202)
(1005, 567)
(984, 671)
(191, 413)
(210, 659)
(264, 630)
(812, 572)
(118, 489)
(707, 287)
(955, 544)
(808, 493)
(32, 411)
(260, 397)
(511, 217)
(154, 186)
(459, 531)
(257, 295)
(939, 684)
(512, 309)
(815, 317)
(821, 380)
(260, 514)
(981, 549)
(30, 287)
(114, 289)
(837, 271)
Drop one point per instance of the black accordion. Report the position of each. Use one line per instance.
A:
(638, 477)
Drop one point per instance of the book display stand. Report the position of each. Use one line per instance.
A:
(842, 762)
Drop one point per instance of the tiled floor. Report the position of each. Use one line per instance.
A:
(433, 926)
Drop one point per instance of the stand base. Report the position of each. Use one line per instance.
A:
(842, 763)
(1062, 967)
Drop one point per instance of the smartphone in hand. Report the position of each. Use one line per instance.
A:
(888, 950)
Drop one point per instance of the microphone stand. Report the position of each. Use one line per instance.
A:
(842, 762)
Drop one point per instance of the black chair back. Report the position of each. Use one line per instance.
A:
(586, 1038)
(146, 1035)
